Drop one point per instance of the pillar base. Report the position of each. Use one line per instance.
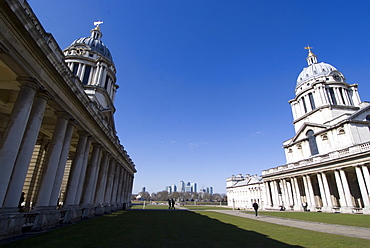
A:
(11, 224)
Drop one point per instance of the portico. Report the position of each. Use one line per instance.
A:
(56, 144)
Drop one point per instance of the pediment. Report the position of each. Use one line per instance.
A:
(301, 133)
(361, 114)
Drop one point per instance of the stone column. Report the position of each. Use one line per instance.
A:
(327, 190)
(283, 193)
(268, 198)
(52, 161)
(346, 189)
(322, 192)
(13, 133)
(96, 175)
(130, 188)
(120, 187)
(54, 198)
(276, 194)
(307, 191)
(361, 182)
(108, 188)
(74, 174)
(25, 152)
(366, 174)
(125, 185)
(296, 194)
(342, 198)
(90, 174)
(290, 193)
(115, 184)
(82, 172)
(102, 178)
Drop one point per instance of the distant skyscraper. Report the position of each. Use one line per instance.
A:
(168, 189)
(143, 189)
(182, 186)
(194, 187)
(188, 187)
(173, 188)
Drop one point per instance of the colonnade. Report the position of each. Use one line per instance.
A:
(343, 190)
(96, 179)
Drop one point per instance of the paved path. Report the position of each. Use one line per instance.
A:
(351, 231)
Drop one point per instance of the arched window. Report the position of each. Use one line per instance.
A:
(312, 142)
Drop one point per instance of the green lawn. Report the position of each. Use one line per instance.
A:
(172, 228)
(200, 207)
(359, 220)
(149, 206)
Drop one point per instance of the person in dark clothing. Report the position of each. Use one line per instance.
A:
(305, 205)
(169, 203)
(172, 203)
(21, 200)
(255, 206)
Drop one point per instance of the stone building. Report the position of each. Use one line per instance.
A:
(60, 157)
(243, 191)
(328, 158)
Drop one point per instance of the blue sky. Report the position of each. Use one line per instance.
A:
(205, 84)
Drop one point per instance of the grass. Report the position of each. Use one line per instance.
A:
(145, 228)
(197, 207)
(358, 220)
(149, 206)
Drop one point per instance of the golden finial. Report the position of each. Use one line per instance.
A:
(309, 50)
(97, 24)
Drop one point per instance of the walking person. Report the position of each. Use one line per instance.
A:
(169, 203)
(172, 203)
(255, 206)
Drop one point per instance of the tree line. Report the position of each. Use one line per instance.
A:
(183, 196)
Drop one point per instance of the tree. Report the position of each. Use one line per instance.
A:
(144, 196)
(162, 196)
(175, 195)
(216, 197)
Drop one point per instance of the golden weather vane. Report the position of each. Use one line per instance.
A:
(97, 24)
(308, 48)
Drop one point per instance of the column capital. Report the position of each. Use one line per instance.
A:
(62, 114)
(29, 82)
(83, 133)
(44, 95)
(96, 143)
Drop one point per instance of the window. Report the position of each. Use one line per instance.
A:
(349, 93)
(106, 82)
(341, 95)
(312, 142)
(332, 96)
(312, 101)
(304, 105)
(75, 68)
(368, 118)
(85, 80)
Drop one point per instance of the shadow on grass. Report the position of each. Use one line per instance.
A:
(148, 228)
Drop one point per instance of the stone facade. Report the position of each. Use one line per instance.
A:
(328, 158)
(58, 143)
(243, 191)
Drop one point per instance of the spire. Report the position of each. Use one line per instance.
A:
(311, 58)
(95, 33)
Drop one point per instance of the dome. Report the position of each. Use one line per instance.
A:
(95, 44)
(315, 70)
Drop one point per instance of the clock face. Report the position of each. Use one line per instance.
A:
(337, 77)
